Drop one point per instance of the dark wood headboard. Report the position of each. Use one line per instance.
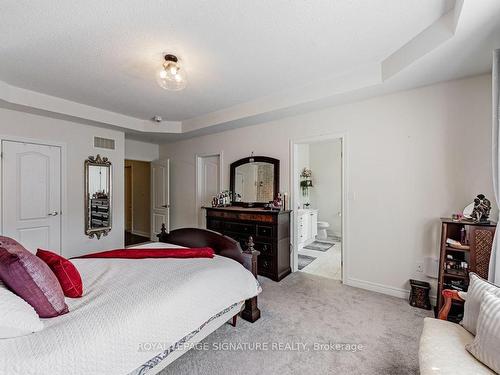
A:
(223, 246)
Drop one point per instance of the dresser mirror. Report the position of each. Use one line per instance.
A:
(254, 181)
(98, 193)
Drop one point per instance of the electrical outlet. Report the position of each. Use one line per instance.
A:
(420, 267)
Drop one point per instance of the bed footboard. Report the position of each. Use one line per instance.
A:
(223, 246)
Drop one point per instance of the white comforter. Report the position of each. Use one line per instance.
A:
(128, 304)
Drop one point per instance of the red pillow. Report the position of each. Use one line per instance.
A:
(31, 279)
(65, 271)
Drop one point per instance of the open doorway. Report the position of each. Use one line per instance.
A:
(318, 180)
(137, 202)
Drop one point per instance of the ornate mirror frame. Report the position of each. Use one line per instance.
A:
(253, 159)
(100, 162)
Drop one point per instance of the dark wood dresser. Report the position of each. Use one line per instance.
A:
(269, 229)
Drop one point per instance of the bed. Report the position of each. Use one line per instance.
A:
(138, 315)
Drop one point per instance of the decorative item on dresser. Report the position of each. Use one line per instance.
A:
(465, 247)
(270, 230)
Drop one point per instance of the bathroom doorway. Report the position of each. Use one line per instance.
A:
(318, 200)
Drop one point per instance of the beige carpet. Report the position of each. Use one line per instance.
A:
(303, 310)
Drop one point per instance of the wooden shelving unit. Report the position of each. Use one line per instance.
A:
(479, 238)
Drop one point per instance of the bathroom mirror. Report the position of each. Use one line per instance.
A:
(98, 202)
(254, 180)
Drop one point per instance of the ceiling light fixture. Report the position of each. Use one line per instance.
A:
(172, 76)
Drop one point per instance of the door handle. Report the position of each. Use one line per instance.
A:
(166, 206)
(53, 213)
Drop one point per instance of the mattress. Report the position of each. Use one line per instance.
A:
(131, 313)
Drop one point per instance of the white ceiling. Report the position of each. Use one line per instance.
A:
(238, 54)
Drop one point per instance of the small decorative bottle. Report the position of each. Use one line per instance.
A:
(463, 236)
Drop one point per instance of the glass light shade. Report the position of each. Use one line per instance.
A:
(171, 77)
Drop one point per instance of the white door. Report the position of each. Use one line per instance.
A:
(160, 196)
(208, 184)
(31, 194)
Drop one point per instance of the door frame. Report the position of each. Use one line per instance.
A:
(131, 195)
(294, 195)
(63, 187)
(132, 228)
(197, 163)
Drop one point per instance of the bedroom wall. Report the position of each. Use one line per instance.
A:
(78, 140)
(143, 151)
(412, 157)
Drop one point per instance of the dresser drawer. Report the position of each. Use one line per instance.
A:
(214, 224)
(238, 237)
(265, 265)
(245, 229)
(270, 231)
(264, 230)
(265, 248)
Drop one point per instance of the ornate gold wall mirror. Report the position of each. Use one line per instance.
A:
(98, 196)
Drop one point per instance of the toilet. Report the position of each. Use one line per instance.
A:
(322, 227)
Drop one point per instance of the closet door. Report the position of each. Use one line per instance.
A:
(160, 196)
(31, 194)
(208, 184)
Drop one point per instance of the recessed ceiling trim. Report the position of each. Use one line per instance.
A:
(363, 77)
(355, 79)
(27, 98)
(429, 39)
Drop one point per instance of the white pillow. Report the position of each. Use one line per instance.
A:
(477, 288)
(17, 317)
(486, 344)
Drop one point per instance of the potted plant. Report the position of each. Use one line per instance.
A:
(306, 181)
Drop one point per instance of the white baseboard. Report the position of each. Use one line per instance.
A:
(384, 289)
(140, 233)
(379, 288)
